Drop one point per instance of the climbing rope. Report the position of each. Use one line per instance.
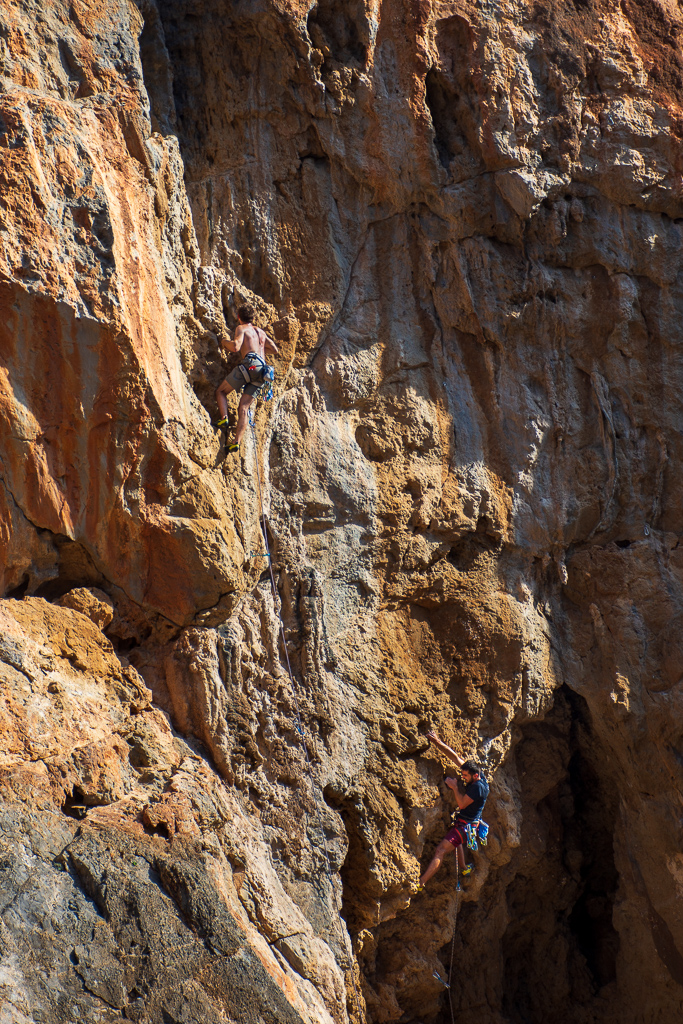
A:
(449, 984)
(299, 723)
(455, 925)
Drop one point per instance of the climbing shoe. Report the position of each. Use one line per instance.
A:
(221, 423)
(467, 870)
(233, 446)
(417, 889)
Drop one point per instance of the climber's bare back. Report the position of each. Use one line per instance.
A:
(250, 339)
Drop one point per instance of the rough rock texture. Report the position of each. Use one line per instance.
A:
(461, 222)
(138, 909)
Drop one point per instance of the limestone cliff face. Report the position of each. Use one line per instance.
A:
(461, 222)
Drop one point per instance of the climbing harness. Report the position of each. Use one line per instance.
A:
(475, 832)
(256, 370)
(348, 967)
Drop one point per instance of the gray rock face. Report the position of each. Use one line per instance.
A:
(124, 862)
(97, 926)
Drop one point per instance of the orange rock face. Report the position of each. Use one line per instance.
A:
(461, 224)
(96, 271)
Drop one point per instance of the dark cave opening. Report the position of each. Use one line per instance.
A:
(560, 948)
(453, 100)
(20, 590)
(75, 568)
(358, 891)
(333, 27)
(74, 807)
(441, 98)
(591, 917)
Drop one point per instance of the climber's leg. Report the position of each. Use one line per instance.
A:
(242, 410)
(441, 851)
(453, 840)
(222, 391)
(465, 869)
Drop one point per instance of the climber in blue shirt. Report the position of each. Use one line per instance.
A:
(470, 803)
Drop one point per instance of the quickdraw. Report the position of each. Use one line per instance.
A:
(269, 379)
(478, 830)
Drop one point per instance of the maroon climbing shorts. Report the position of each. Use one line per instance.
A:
(455, 836)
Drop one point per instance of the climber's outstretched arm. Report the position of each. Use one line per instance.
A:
(270, 344)
(445, 749)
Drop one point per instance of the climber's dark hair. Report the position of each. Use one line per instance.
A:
(470, 766)
(246, 313)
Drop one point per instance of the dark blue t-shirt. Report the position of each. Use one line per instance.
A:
(477, 791)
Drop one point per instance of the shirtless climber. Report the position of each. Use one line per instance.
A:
(470, 805)
(251, 343)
